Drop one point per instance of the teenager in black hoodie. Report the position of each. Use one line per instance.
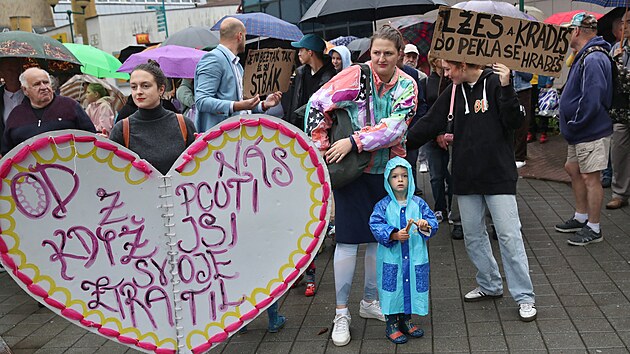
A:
(486, 112)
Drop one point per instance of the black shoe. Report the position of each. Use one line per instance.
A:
(570, 225)
(585, 236)
(606, 182)
(457, 233)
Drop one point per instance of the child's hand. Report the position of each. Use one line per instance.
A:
(423, 225)
(401, 236)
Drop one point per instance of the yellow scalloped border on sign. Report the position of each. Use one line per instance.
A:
(292, 146)
(58, 291)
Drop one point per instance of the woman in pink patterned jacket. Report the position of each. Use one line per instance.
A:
(392, 104)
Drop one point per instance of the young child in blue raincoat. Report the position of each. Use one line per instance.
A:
(401, 223)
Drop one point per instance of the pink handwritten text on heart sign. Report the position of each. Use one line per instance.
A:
(179, 278)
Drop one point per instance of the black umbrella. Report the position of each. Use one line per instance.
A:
(327, 11)
(604, 24)
(128, 51)
(194, 37)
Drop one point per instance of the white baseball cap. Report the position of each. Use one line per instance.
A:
(410, 48)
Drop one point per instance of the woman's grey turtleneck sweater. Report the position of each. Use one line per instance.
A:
(154, 135)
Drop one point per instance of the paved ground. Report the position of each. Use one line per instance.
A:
(583, 298)
(546, 161)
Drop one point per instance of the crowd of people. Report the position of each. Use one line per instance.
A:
(471, 123)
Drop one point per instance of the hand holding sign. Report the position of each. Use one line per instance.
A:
(503, 72)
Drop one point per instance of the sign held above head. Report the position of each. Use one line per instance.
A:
(482, 38)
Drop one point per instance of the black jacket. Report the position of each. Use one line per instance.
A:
(435, 84)
(483, 146)
(297, 96)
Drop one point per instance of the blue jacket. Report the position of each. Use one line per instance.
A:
(402, 269)
(586, 97)
(216, 89)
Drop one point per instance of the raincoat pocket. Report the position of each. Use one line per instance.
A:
(422, 277)
(390, 276)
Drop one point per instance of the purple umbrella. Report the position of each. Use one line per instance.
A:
(175, 61)
(264, 25)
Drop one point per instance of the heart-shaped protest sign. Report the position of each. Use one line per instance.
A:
(164, 264)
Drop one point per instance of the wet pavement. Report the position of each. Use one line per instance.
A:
(582, 293)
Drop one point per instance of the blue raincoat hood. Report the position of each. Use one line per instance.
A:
(391, 165)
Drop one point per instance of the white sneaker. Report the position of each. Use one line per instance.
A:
(341, 330)
(439, 216)
(424, 168)
(527, 312)
(371, 310)
(520, 164)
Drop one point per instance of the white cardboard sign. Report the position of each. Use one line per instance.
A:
(163, 264)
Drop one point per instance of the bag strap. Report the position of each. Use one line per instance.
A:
(450, 110)
(180, 120)
(182, 126)
(125, 123)
(367, 84)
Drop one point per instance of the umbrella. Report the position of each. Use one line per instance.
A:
(342, 40)
(75, 88)
(96, 62)
(406, 21)
(534, 12)
(493, 7)
(175, 61)
(604, 24)
(127, 51)
(564, 18)
(193, 37)
(419, 34)
(264, 25)
(608, 3)
(417, 29)
(359, 47)
(42, 51)
(327, 11)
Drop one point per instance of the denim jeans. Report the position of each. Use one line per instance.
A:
(440, 177)
(508, 225)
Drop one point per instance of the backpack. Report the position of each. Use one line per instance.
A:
(180, 120)
(619, 110)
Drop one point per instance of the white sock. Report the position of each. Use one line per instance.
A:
(580, 217)
(343, 311)
(594, 227)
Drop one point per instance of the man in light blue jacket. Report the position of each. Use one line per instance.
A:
(219, 80)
